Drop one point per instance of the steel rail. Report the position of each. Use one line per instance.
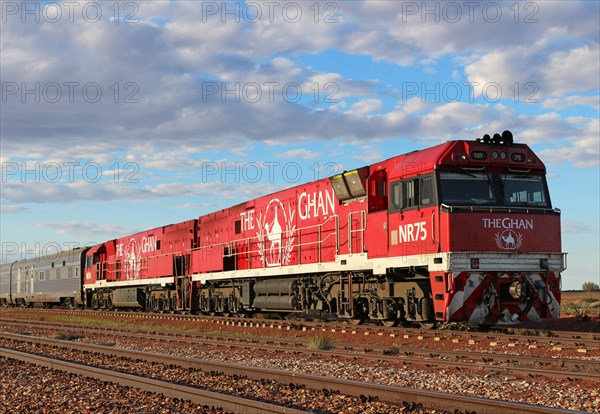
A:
(196, 395)
(590, 338)
(401, 354)
(386, 393)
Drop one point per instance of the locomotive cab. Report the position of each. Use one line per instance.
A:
(500, 235)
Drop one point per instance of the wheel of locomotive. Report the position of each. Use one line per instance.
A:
(428, 314)
(391, 313)
(361, 310)
(154, 305)
(245, 314)
(390, 323)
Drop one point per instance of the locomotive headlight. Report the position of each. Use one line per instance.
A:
(503, 155)
(515, 290)
(494, 155)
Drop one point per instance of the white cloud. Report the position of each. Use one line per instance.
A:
(583, 145)
(576, 227)
(13, 209)
(300, 153)
(171, 62)
(364, 107)
(571, 101)
(86, 230)
(527, 74)
(574, 70)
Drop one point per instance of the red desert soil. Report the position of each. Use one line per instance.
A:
(566, 323)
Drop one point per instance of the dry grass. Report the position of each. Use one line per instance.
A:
(320, 343)
(580, 303)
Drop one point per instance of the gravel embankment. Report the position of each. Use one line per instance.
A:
(27, 388)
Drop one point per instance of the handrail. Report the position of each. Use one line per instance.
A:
(491, 208)
(359, 230)
(433, 226)
(299, 244)
(106, 267)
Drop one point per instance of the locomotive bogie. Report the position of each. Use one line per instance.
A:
(354, 296)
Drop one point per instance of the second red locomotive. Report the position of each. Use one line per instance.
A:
(460, 231)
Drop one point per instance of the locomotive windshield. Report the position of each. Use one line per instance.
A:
(524, 190)
(500, 189)
(467, 188)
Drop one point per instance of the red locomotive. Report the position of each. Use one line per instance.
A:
(461, 231)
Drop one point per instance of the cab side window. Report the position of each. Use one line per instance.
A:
(412, 193)
(395, 196)
(427, 194)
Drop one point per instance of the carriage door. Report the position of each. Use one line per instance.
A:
(32, 275)
(376, 236)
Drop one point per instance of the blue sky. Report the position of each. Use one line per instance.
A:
(112, 125)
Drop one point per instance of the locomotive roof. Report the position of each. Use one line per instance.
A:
(462, 154)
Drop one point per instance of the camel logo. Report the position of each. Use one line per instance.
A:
(132, 262)
(509, 240)
(276, 234)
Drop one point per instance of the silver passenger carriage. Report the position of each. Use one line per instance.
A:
(5, 299)
(48, 280)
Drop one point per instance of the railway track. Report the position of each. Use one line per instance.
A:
(228, 403)
(584, 339)
(566, 368)
(364, 391)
